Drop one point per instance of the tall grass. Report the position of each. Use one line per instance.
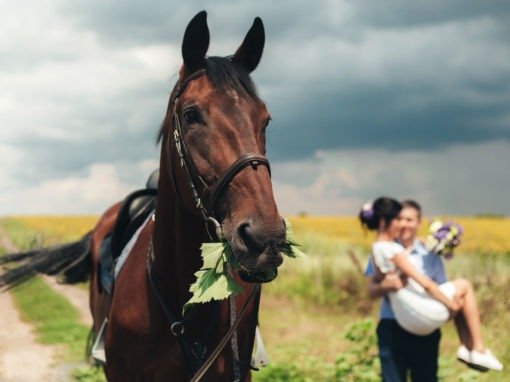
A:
(330, 275)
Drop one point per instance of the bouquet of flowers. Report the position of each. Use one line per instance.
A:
(443, 238)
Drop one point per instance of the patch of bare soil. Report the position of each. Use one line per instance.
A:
(22, 358)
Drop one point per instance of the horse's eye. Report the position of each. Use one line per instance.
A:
(191, 116)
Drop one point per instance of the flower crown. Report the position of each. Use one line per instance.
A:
(367, 210)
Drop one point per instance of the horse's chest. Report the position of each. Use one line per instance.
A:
(139, 352)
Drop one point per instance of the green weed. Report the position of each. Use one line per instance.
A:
(358, 362)
(54, 319)
(89, 374)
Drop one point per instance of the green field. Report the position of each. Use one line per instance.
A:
(316, 319)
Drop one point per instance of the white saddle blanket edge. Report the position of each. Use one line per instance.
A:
(97, 351)
(259, 357)
(127, 249)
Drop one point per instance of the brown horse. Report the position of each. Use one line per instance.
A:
(213, 174)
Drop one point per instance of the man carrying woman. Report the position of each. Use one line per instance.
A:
(393, 271)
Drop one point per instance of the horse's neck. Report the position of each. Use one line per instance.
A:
(178, 235)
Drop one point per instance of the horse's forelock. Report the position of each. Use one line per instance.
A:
(225, 74)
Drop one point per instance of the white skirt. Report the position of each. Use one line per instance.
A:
(416, 311)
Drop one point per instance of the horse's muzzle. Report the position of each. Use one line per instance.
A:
(258, 277)
(258, 249)
(260, 268)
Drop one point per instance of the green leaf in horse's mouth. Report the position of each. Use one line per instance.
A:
(213, 279)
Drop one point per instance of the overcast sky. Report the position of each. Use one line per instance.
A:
(402, 99)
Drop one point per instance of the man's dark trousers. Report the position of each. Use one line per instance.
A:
(401, 351)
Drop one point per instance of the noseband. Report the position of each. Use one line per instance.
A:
(215, 191)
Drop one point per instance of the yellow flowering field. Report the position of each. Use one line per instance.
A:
(59, 228)
(481, 234)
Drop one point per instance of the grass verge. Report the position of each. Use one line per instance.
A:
(54, 319)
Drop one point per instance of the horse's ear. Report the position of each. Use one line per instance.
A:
(195, 42)
(249, 53)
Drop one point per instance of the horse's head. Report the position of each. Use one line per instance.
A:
(217, 119)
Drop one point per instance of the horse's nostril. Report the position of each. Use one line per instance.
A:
(249, 237)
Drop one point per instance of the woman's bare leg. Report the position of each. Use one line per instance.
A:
(463, 331)
(468, 326)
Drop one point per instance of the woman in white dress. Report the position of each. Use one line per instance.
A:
(423, 306)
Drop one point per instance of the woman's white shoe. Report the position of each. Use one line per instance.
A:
(484, 359)
(463, 354)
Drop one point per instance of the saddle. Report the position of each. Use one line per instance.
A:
(134, 210)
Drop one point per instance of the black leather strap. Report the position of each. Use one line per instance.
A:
(129, 219)
(217, 351)
(246, 160)
(192, 173)
(176, 326)
(195, 364)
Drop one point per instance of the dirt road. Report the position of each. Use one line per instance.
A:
(22, 359)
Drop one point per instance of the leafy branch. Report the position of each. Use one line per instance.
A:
(213, 281)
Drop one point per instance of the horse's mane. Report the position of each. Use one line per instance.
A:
(224, 74)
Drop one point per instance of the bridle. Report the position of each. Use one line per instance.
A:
(207, 210)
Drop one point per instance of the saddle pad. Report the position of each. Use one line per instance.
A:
(106, 265)
(119, 263)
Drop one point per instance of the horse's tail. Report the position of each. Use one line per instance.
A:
(71, 261)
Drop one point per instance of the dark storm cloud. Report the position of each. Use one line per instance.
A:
(135, 21)
(403, 14)
(85, 85)
(312, 107)
(373, 118)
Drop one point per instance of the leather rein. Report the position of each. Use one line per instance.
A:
(194, 356)
(207, 213)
